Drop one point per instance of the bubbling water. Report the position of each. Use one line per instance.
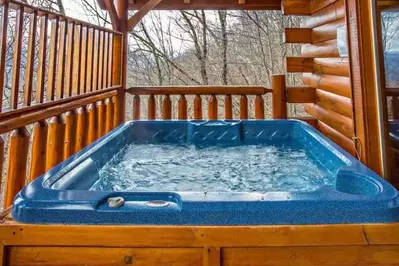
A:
(253, 168)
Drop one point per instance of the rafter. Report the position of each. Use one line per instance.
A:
(140, 14)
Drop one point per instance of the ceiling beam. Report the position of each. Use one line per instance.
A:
(140, 14)
(211, 4)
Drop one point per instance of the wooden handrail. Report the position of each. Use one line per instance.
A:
(199, 90)
(37, 115)
(392, 91)
(41, 12)
(12, 113)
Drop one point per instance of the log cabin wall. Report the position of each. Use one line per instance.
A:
(324, 70)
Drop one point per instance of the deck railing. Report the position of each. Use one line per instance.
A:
(67, 97)
(199, 93)
(209, 94)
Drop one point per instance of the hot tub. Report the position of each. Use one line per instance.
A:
(209, 173)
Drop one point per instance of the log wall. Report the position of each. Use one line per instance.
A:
(324, 70)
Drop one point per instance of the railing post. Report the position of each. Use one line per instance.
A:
(279, 97)
(39, 147)
(17, 163)
(120, 56)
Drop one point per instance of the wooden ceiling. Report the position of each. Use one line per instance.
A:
(206, 4)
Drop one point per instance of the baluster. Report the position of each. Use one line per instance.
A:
(228, 107)
(84, 61)
(41, 69)
(116, 110)
(16, 67)
(109, 107)
(89, 65)
(100, 60)
(213, 108)
(30, 59)
(3, 48)
(61, 60)
(16, 166)
(110, 60)
(100, 119)
(55, 142)
(52, 60)
(259, 108)
(81, 128)
(92, 124)
(39, 147)
(182, 108)
(197, 107)
(166, 108)
(105, 59)
(71, 62)
(136, 107)
(77, 58)
(70, 134)
(151, 108)
(243, 107)
(96, 42)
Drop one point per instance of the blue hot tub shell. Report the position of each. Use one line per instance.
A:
(62, 195)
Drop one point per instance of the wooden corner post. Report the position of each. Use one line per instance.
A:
(120, 56)
(279, 97)
(361, 44)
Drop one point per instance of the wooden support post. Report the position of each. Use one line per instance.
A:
(116, 111)
(92, 129)
(166, 108)
(120, 55)
(81, 128)
(259, 108)
(197, 107)
(109, 115)
(364, 83)
(55, 142)
(17, 163)
(228, 107)
(136, 107)
(279, 97)
(39, 147)
(70, 134)
(213, 108)
(100, 119)
(243, 107)
(182, 108)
